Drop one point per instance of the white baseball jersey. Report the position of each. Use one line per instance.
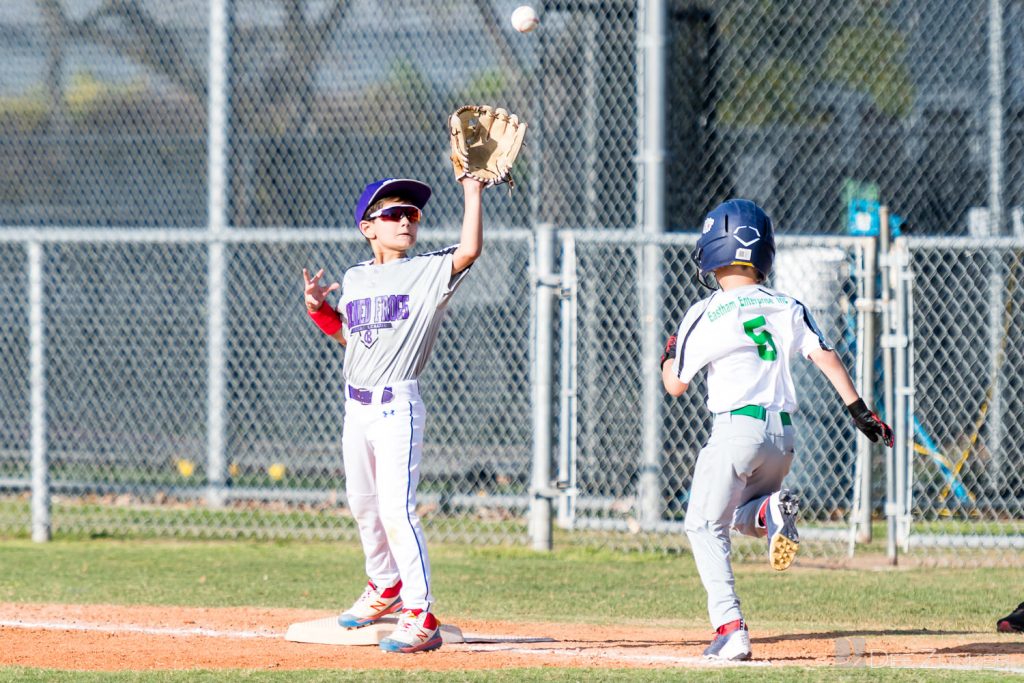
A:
(747, 337)
(392, 313)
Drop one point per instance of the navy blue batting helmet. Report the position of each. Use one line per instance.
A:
(736, 232)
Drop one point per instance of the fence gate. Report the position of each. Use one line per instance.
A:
(960, 306)
(609, 460)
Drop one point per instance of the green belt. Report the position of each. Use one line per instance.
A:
(760, 413)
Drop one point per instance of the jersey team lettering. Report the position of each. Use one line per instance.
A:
(743, 302)
(366, 316)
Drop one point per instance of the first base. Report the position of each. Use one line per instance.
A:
(326, 631)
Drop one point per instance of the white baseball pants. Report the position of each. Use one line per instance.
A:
(743, 463)
(382, 444)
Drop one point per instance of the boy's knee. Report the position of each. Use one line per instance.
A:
(695, 525)
(360, 504)
(392, 516)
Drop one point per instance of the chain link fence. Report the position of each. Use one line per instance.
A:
(126, 344)
(824, 273)
(127, 392)
(108, 111)
(965, 462)
(803, 106)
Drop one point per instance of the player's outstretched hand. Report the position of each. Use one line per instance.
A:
(315, 293)
(670, 351)
(869, 423)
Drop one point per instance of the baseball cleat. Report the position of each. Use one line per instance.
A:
(1013, 622)
(418, 631)
(373, 604)
(780, 521)
(731, 643)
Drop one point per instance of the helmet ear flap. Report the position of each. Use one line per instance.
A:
(698, 276)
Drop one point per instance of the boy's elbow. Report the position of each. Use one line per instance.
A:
(674, 387)
(467, 256)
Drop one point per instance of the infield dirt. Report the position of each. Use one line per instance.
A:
(111, 638)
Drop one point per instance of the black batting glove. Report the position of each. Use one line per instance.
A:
(869, 423)
(670, 351)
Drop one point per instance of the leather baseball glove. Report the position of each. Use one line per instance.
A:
(485, 143)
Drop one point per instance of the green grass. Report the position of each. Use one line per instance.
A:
(76, 518)
(570, 585)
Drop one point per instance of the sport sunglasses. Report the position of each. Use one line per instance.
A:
(397, 213)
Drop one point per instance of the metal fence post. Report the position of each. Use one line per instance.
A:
(547, 286)
(650, 494)
(907, 280)
(216, 465)
(41, 527)
(651, 214)
(996, 344)
(867, 309)
(891, 509)
(903, 441)
(996, 141)
(567, 382)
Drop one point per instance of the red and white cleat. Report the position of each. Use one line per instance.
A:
(373, 604)
(418, 631)
(731, 643)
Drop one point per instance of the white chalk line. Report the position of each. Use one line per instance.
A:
(132, 628)
(565, 652)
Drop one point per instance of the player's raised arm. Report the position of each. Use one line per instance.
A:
(322, 313)
(471, 241)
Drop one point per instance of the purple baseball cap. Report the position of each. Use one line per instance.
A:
(418, 193)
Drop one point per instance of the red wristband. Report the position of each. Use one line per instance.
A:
(326, 318)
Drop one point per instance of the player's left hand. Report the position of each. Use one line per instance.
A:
(316, 294)
(485, 142)
(869, 423)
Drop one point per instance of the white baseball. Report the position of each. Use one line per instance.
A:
(525, 19)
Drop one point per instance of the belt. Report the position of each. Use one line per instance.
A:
(760, 413)
(365, 396)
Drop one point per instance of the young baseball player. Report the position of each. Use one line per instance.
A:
(746, 334)
(388, 317)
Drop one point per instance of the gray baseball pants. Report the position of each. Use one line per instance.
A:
(743, 463)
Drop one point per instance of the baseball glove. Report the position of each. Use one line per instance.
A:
(485, 143)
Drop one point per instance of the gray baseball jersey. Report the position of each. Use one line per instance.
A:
(392, 313)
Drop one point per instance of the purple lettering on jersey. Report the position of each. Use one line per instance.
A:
(366, 316)
(358, 312)
(393, 307)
